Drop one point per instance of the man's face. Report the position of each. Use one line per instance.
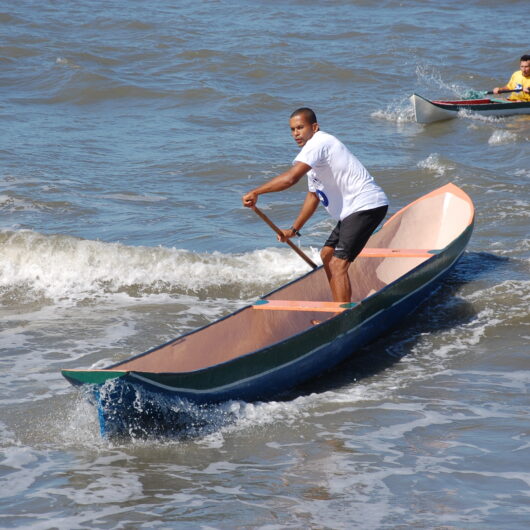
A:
(301, 129)
(525, 68)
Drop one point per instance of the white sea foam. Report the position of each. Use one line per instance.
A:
(512, 294)
(522, 173)
(18, 457)
(239, 416)
(210, 425)
(7, 437)
(398, 113)
(478, 117)
(435, 164)
(514, 209)
(63, 61)
(500, 137)
(67, 268)
(429, 75)
(113, 485)
(23, 467)
(9, 203)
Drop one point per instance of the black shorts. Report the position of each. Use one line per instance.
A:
(352, 233)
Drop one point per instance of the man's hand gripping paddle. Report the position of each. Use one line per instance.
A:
(288, 241)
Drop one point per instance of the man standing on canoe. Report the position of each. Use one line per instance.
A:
(520, 80)
(342, 184)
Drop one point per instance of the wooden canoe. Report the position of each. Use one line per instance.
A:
(427, 111)
(272, 346)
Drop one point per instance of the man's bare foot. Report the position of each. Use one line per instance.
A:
(315, 322)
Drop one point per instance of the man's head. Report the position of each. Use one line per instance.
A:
(303, 124)
(525, 65)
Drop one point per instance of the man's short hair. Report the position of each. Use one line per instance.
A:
(525, 58)
(307, 113)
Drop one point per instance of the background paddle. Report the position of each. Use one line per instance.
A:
(504, 91)
(304, 256)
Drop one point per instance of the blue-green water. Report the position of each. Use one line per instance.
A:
(129, 133)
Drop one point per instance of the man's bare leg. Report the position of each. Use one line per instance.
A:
(326, 254)
(340, 281)
(337, 273)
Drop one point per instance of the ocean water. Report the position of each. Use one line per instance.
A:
(128, 134)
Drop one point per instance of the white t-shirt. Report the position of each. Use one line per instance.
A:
(341, 182)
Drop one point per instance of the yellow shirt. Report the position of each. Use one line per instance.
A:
(518, 81)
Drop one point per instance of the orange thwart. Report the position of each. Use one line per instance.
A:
(303, 305)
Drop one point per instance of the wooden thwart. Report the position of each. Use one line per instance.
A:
(397, 253)
(303, 305)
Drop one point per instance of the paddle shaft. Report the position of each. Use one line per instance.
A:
(304, 256)
(504, 91)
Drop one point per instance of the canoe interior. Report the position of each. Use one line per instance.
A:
(431, 222)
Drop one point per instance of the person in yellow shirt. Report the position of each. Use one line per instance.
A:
(520, 80)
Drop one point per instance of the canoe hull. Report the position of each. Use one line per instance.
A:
(427, 111)
(257, 354)
(147, 403)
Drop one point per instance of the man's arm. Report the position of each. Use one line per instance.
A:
(510, 85)
(279, 183)
(308, 209)
(500, 89)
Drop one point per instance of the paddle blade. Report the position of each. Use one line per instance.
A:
(475, 94)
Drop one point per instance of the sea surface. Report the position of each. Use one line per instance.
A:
(129, 131)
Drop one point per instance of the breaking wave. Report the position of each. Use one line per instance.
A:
(35, 266)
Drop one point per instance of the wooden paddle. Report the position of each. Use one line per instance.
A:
(505, 91)
(304, 256)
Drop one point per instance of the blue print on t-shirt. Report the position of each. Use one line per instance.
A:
(323, 199)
